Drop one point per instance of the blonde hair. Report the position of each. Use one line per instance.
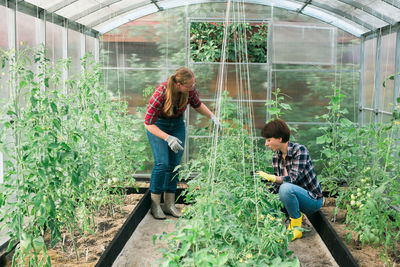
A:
(182, 76)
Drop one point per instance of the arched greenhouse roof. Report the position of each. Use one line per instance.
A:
(358, 17)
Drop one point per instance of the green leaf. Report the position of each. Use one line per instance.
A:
(46, 82)
(33, 101)
(66, 147)
(286, 106)
(10, 245)
(53, 107)
(274, 111)
(57, 123)
(10, 112)
(22, 84)
(96, 117)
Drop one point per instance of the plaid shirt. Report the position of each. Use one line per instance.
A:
(299, 168)
(157, 100)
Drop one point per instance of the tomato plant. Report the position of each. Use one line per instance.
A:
(234, 220)
(364, 158)
(62, 140)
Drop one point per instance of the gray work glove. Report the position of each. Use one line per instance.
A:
(174, 143)
(216, 121)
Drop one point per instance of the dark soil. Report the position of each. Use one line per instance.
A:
(366, 255)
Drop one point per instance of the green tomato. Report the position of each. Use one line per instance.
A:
(359, 194)
(376, 240)
(353, 196)
(369, 195)
(115, 180)
(24, 245)
(38, 244)
(353, 202)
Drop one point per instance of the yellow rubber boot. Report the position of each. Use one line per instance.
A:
(296, 223)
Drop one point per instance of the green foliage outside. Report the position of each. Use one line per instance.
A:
(206, 40)
(66, 143)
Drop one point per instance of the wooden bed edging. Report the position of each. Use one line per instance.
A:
(338, 249)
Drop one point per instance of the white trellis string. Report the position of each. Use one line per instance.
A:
(222, 73)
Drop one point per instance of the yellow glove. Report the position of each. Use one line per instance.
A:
(269, 177)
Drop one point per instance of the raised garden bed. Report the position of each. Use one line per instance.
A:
(104, 255)
(357, 254)
(102, 247)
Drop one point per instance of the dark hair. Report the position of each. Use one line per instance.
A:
(276, 128)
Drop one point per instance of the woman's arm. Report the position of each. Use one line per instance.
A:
(203, 110)
(152, 128)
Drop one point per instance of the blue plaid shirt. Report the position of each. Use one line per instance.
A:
(299, 169)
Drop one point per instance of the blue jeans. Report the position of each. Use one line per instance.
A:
(296, 199)
(163, 178)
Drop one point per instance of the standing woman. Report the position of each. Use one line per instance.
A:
(166, 133)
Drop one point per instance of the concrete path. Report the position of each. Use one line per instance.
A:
(140, 251)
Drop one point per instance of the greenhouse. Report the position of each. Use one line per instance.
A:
(200, 133)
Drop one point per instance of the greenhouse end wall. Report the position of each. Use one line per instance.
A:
(142, 53)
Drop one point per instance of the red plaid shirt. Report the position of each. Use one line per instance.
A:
(157, 100)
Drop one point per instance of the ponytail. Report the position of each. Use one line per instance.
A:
(173, 96)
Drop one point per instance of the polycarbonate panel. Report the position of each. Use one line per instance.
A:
(53, 41)
(388, 47)
(46, 4)
(74, 46)
(303, 44)
(90, 44)
(4, 91)
(3, 28)
(26, 30)
(353, 12)
(348, 51)
(369, 73)
(78, 6)
(377, 13)
(136, 86)
(207, 80)
(207, 10)
(307, 93)
(144, 43)
(200, 124)
(306, 134)
(101, 15)
(368, 117)
(384, 118)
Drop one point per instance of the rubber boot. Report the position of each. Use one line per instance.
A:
(169, 205)
(296, 223)
(156, 208)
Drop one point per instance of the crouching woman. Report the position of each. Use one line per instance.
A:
(294, 176)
